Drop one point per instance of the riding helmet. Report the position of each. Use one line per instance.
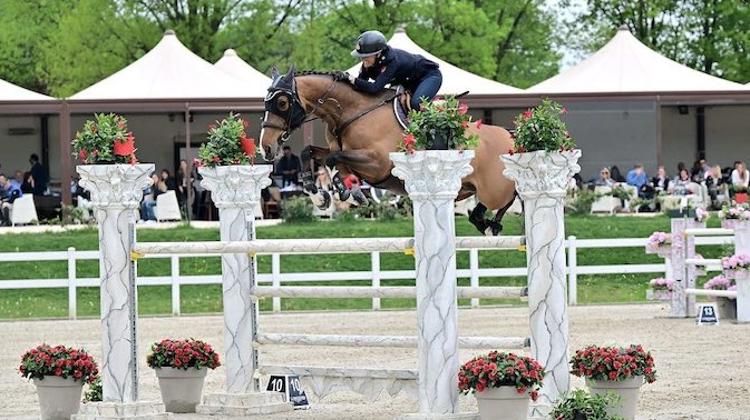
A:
(369, 43)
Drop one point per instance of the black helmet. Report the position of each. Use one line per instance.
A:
(369, 43)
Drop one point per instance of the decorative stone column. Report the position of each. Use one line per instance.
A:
(433, 179)
(116, 192)
(236, 191)
(741, 236)
(541, 181)
(742, 277)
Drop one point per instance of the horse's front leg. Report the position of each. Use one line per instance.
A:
(320, 197)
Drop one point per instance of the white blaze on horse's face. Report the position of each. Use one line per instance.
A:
(270, 137)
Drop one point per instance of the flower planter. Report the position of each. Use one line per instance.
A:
(729, 223)
(58, 398)
(662, 250)
(658, 294)
(181, 389)
(628, 390)
(727, 307)
(503, 403)
(740, 197)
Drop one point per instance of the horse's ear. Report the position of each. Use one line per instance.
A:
(290, 75)
(274, 73)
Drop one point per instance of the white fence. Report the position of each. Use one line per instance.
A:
(375, 275)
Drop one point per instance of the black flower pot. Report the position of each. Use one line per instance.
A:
(438, 140)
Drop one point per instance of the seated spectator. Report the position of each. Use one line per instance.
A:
(148, 204)
(637, 177)
(27, 185)
(681, 184)
(166, 182)
(288, 167)
(714, 182)
(661, 181)
(698, 173)
(10, 190)
(740, 175)
(604, 179)
(323, 180)
(616, 175)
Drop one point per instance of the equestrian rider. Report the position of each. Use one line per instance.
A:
(386, 65)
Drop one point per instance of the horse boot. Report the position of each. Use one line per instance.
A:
(359, 197)
(338, 183)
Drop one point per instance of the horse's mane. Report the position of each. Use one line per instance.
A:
(341, 76)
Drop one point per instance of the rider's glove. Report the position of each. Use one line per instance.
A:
(352, 78)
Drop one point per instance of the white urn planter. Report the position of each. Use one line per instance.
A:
(502, 403)
(181, 389)
(628, 390)
(58, 398)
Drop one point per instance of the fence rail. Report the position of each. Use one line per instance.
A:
(375, 275)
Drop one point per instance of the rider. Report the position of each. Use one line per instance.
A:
(386, 65)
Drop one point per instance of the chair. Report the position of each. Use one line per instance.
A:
(606, 203)
(23, 211)
(167, 207)
(271, 207)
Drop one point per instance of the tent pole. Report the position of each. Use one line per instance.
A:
(65, 156)
(189, 169)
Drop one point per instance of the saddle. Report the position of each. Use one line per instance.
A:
(401, 106)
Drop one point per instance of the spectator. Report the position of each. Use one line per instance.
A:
(714, 182)
(181, 181)
(288, 167)
(149, 199)
(323, 180)
(681, 184)
(604, 179)
(661, 181)
(680, 167)
(616, 175)
(740, 175)
(166, 182)
(637, 177)
(39, 174)
(698, 173)
(27, 186)
(10, 190)
(199, 193)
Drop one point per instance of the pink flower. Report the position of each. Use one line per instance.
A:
(528, 114)
(463, 108)
(479, 124)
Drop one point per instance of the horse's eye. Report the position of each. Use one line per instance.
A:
(283, 103)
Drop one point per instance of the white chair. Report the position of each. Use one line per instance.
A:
(605, 203)
(23, 211)
(167, 207)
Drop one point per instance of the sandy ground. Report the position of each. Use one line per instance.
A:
(702, 371)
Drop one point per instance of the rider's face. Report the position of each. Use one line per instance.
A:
(369, 61)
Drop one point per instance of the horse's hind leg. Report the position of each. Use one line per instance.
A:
(476, 217)
(494, 224)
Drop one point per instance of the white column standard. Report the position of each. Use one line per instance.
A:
(541, 181)
(742, 277)
(433, 179)
(116, 192)
(236, 191)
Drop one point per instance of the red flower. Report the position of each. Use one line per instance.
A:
(511, 151)
(197, 163)
(124, 147)
(534, 395)
(465, 124)
(216, 159)
(82, 154)
(612, 375)
(463, 109)
(528, 114)
(248, 146)
(58, 372)
(479, 124)
(480, 387)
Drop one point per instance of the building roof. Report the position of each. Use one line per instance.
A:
(625, 64)
(13, 93)
(455, 80)
(240, 69)
(169, 71)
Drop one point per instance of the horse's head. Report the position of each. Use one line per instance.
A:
(284, 113)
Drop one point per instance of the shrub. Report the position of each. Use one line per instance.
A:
(447, 119)
(581, 204)
(580, 405)
(94, 392)
(228, 144)
(182, 354)
(65, 362)
(105, 140)
(297, 210)
(541, 128)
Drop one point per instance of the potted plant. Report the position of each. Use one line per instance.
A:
(621, 370)
(181, 367)
(502, 383)
(580, 405)
(105, 139)
(730, 216)
(59, 374)
(440, 125)
(739, 194)
(726, 306)
(661, 289)
(659, 243)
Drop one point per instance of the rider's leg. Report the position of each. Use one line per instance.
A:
(427, 88)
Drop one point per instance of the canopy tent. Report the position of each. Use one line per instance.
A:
(169, 71)
(623, 65)
(12, 93)
(238, 68)
(455, 80)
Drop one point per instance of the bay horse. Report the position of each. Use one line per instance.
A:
(361, 130)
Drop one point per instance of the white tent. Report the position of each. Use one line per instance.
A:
(12, 93)
(169, 71)
(624, 64)
(239, 69)
(455, 80)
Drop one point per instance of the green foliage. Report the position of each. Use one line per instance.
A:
(620, 192)
(381, 211)
(447, 119)
(106, 139)
(542, 128)
(94, 393)
(580, 405)
(582, 202)
(227, 144)
(297, 210)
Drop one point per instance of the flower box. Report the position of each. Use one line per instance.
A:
(658, 295)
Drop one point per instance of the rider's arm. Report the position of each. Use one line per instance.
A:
(383, 79)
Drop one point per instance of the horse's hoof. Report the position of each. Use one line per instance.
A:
(496, 228)
(359, 197)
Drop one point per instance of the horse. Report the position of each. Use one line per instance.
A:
(361, 130)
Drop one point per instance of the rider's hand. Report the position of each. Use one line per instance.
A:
(352, 78)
